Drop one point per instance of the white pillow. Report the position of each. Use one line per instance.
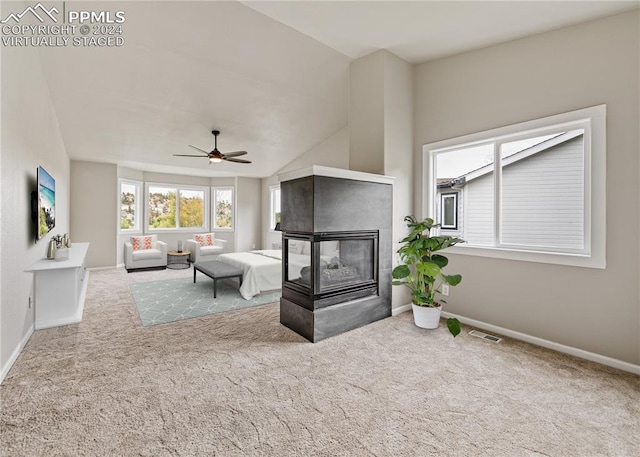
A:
(295, 247)
(329, 248)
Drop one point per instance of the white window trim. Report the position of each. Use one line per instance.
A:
(272, 214)
(139, 212)
(443, 197)
(178, 188)
(594, 120)
(213, 208)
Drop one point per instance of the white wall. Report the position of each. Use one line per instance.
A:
(555, 72)
(30, 137)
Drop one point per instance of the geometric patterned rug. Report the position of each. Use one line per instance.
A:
(159, 302)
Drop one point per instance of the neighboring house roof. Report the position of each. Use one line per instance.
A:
(460, 181)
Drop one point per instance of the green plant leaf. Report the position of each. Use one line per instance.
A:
(428, 268)
(401, 271)
(453, 325)
(441, 260)
(431, 243)
(452, 280)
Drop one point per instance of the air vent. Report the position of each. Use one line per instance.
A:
(485, 336)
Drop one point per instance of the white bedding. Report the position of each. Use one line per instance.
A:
(262, 270)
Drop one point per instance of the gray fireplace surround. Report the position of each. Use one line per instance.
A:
(353, 211)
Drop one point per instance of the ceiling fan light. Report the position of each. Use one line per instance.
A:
(215, 160)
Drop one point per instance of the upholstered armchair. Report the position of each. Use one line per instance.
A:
(145, 252)
(202, 250)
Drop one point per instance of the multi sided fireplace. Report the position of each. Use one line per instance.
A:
(336, 241)
(323, 269)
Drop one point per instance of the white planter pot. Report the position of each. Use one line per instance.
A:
(426, 317)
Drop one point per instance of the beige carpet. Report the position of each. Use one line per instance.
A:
(240, 384)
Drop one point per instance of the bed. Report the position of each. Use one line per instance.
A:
(262, 270)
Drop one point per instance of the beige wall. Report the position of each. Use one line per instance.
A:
(94, 207)
(332, 152)
(381, 132)
(30, 137)
(555, 72)
(366, 113)
(398, 152)
(248, 214)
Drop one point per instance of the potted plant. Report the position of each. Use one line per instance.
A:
(421, 271)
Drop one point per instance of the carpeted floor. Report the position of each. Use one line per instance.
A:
(159, 302)
(240, 384)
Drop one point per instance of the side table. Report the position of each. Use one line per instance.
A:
(178, 260)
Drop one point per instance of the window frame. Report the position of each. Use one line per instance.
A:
(178, 188)
(593, 121)
(443, 197)
(214, 201)
(138, 211)
(272, 212)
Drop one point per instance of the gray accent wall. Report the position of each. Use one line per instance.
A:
(559, 71)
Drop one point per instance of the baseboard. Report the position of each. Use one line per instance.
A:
(15, 354)
(592, 356)
(103, 268)
(401, 309)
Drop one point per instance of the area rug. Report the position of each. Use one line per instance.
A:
(159, 302)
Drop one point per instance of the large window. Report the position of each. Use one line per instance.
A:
(532, 191)
(130, 206)
(176, 207)
(274, 207)
(222, 208)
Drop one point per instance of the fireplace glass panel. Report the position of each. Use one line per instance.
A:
(346, 262)
(298, 262)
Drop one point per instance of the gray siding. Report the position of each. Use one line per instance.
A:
(478, 211)
(543, 198)
(542, 202)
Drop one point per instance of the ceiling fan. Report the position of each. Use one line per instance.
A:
(216, 156)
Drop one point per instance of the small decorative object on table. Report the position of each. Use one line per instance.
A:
(179, 246)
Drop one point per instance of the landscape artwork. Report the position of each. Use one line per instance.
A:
(46, 202)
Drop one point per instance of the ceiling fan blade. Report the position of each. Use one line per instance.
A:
(234, 153)
(199, 150)
(191, 155)
(231, 159)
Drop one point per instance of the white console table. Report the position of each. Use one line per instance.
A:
(60, 288)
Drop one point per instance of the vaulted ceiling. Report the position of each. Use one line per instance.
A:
(271, 76)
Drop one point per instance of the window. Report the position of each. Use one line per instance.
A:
(449, 211)
(130, 206)
(274, 208)
(176, 207)
(222, 208)
(532, 191)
